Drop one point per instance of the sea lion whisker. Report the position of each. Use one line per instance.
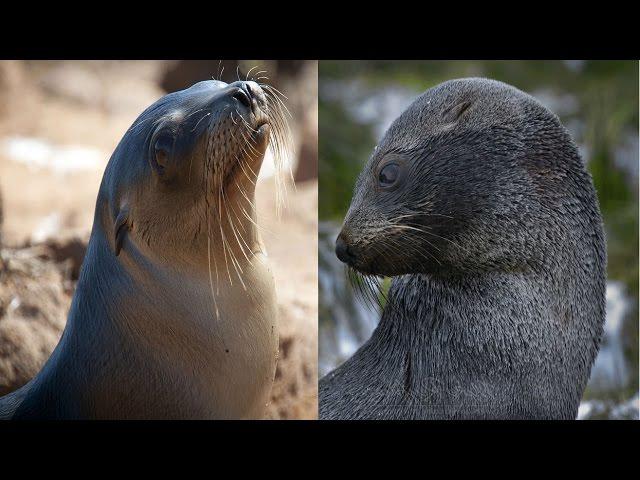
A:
(213, 295)
(240, 222)
(249, 72)
(193, 113)
(246, 124)
(224, 244)
(243, 167)
(272, 92)
(234, 261)
(198, 122)
(248, 143)
(235, 233)
(275, 90)
(139, 123)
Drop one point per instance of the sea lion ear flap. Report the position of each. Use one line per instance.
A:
(120, 228)
(452, 114)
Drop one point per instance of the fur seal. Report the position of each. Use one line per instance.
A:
(477, 203)
(174, 314)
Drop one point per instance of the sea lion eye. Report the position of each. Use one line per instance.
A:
(162, 148)
(389, 175)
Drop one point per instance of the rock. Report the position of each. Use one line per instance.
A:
(74, 83)
(17, 97)
(36, 286)
(11, 76)
(68, 252)
(295, 390)
(1, 219)
(33, 312)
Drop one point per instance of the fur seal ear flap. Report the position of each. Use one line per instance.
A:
(452, 114)
(120, 228)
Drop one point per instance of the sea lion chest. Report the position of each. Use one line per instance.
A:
(192, 345)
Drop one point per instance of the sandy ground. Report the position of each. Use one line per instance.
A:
(91, 105)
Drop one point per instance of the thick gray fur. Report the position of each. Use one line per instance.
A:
(497, 305)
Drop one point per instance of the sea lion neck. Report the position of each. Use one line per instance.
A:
(211, 230)
(166, 328)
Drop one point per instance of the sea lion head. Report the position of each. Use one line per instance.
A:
(474, 176)
(183, 176)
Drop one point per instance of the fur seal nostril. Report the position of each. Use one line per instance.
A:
(477, 203)
(343, 252)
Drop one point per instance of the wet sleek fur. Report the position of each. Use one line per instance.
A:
(174, 315)
(494, 236)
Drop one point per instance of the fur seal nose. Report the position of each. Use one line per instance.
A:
(343, 252)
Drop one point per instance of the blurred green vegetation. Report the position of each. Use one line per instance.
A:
(605, 94)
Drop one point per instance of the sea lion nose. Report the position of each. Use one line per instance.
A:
(248, 94)
(256, 93)
(343, 251)
(242, 94)
(250, 88)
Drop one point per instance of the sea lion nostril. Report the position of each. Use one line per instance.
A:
(243, 97)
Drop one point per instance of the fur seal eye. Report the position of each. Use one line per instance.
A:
(389, 175)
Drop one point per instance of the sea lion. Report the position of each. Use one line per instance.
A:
(174, 314)
(477, 203)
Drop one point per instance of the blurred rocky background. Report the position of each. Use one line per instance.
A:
(59, 123)
(596, 100)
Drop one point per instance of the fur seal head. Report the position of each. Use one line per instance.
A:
(478, 203)
(474, 176)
